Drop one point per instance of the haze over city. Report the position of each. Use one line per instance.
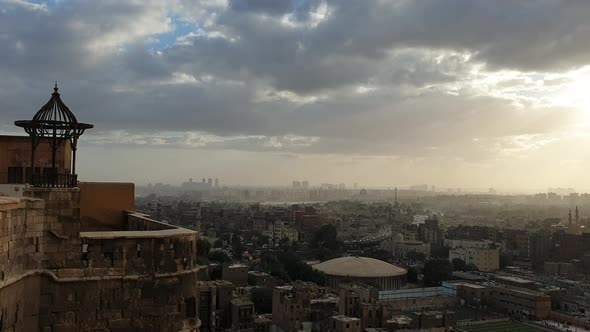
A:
(454, 93)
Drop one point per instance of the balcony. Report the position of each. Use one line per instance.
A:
(54, 180)
(41, 180)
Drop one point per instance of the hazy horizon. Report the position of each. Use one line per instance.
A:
(455, 93)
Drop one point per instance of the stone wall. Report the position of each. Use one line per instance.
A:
(141, 222)
(102, 204)
(55, 278)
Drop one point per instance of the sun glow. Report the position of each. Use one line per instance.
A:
(575, 93)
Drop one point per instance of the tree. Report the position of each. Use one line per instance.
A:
(416, 256)
(237, 248)
(439, 252)
(436, 271)
(203, 247)
(219, 257)
(471, 267)
(325, 241)
(458, 264)
(381, 254)
(288, 266)
(218, 243)
(413, 275)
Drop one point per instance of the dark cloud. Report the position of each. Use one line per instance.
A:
(247, 70)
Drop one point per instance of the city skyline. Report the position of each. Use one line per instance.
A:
(262, 92)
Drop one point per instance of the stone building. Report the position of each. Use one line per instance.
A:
(214, 301)
(15, 158)
(483, 254)
(345, 324)
(376, 308)
(75, 257)
(242, 315)
(521, 302)
(302, 304)
(401, 249)
(56, 275)
(237, 274)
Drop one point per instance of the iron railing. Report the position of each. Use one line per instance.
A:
(54, 180)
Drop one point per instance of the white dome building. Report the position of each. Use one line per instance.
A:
(374, 272)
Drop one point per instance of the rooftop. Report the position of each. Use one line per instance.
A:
(137, 234)
(521, 290)
(363, 267)
(513, 279)
(343, 318)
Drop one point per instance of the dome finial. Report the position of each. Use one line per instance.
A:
(55, 87)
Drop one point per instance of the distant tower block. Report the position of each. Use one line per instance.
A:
(216, 183)
(204, 180)
(577, 215)
(210, 182)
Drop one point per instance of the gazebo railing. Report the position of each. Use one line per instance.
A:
(54, 180)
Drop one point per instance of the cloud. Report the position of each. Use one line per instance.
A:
(397, 78)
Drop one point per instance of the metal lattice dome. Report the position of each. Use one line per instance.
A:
(56, 124)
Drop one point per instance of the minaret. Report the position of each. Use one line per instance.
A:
(577, 216)
(569, 217)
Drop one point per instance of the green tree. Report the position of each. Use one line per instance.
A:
(436, 271)
(413, 275)
(471, 267)
(219, 257)
(416, 256)
(325, 241)
(439, 252)
(326, 236)
(203, 247)
(218, 243)
(381, 254)
(236, 247)
(458, 264)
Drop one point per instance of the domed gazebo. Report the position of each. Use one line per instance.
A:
(366, 270)
(55, 123)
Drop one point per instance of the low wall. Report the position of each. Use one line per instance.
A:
(142, 222)
(102, 204)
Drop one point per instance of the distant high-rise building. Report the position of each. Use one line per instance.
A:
(216, 183)
(305, 184)
(296, 184)
(204, 181)
(210, 182)
(355, 186)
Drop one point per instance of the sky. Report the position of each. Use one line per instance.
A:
(454, 93)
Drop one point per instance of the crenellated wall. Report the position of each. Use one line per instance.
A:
(55, 278)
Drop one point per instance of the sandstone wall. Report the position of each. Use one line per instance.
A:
(55, 278)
